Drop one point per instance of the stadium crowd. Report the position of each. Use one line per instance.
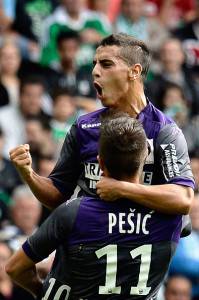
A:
(46, 53)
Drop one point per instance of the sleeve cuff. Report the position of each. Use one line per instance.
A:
(30, 253)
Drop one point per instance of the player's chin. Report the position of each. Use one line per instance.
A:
(107, 102)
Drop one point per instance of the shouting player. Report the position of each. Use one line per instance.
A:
(120, 66)
(105, 250)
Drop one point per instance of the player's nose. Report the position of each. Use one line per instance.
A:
(96, 71)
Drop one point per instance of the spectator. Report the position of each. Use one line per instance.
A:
(25, 213)
(39, 137)
(4, 97)
(30, 15)
(188, 34)
(13, 119)
(192, 136)
(7, 13)
(195, 170)
(132, 20)
(9, 65)
(174, 104)
(9, 178)
(172, 13)
(6, 286)
(172, 71)
(72, 15)
(186, 259)
(178, 288)
(64, 114)
(68, 75)
(46, 165)
(28, 21)
(8, 291)
(102, 8)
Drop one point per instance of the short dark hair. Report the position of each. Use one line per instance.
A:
(61, 92)
(67, 35)
(32, 79)
(122, 144)
(133, 51)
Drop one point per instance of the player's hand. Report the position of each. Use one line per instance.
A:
(21, 158)
(108, 189)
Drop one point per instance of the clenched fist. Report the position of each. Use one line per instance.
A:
(21, 158)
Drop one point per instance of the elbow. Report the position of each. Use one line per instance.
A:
(186, 201)
(11, 270)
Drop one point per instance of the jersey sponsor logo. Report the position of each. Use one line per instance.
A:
(147, 177)
(94, 125)
(132, 222)
(93, 173)
(150, 158)
(170, 161)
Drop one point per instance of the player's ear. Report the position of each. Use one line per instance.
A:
(101, 163)
(135, 71)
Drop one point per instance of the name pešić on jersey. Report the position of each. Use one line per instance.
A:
(105, 250)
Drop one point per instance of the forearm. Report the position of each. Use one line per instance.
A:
(30, 281)
(44, 190)
(168, 198)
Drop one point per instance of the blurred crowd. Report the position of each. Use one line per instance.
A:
(46, 53)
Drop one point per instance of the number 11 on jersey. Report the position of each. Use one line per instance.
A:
(111, 270)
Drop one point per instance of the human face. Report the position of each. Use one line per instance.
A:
(31, 99)
(133, 9)
(111, 77)
(9, 59)
(172, 56)
(178, 289)
(68, 51)
(26, 213)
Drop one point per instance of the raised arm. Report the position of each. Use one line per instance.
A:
(62, 181)
(171, 168)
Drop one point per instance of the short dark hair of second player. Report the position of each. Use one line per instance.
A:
(133, 51)
(123, 145)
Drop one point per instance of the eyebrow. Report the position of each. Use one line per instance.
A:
(103, 60)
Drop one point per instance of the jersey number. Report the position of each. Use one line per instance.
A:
(59, 292)
(111, 270)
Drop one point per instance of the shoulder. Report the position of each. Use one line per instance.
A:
(55, 16)
(66, 212)
(90, 120)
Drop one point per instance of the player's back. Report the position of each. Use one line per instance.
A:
(119, 250)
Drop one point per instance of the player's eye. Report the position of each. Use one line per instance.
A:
(107, 64)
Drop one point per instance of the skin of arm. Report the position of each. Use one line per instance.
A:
(167, 198)
(22, 270)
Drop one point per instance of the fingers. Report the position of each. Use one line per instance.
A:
(20, 150)
(20, 155)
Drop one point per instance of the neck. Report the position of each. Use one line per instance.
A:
(172, 70)
(68, 67)
(136, 100)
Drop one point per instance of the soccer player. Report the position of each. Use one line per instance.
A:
(105, 250)
(120, 66)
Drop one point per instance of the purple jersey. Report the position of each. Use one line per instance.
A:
(105, 250)
(167, 162)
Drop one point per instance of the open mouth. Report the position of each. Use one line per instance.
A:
(98, 88)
